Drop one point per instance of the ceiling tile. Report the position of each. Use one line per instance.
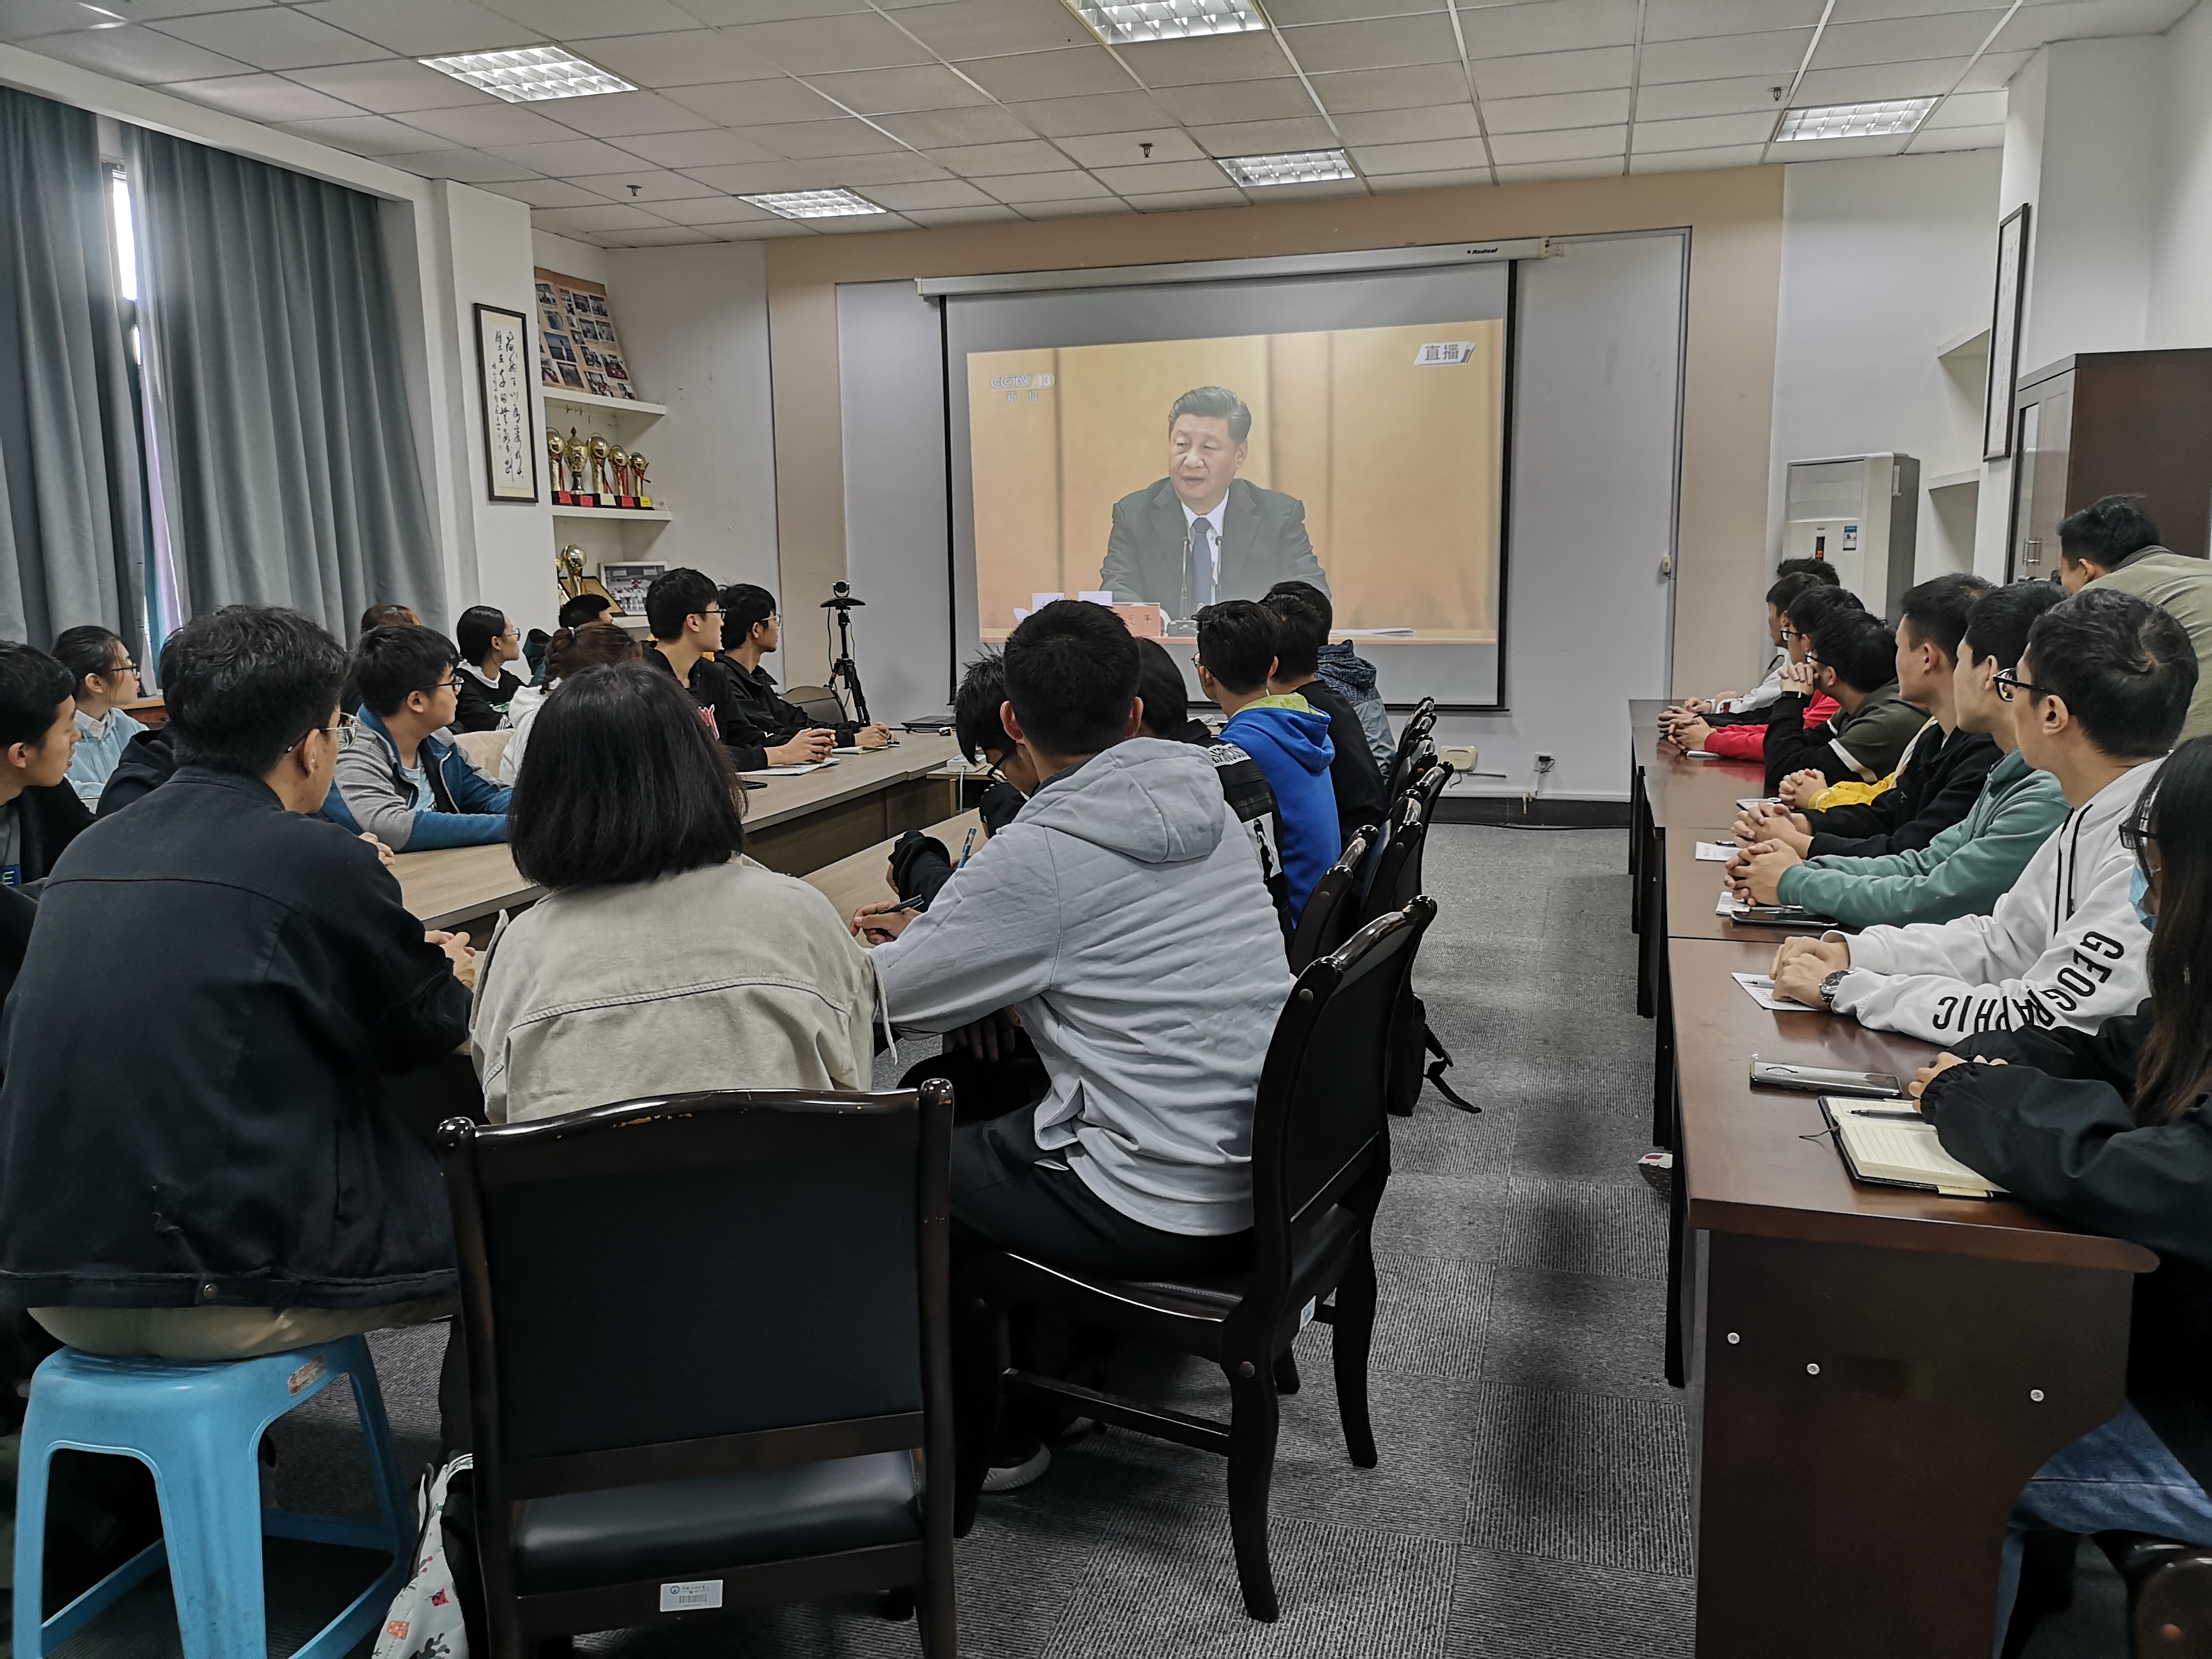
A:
(1541, 172)
(1281, 95)
(1683, 20)
(751, 231)
(1080, 208)
(991, 28)
(139, 54)
(716, 147)
(1542, 73)
(665, 236)
(265, 98)
(1457, 178)
(1696, 161)
(1408, 126)
(859, 225)
(1265, 137)
(488, 124)
(756, 103)
(608, 217)
(1673, 100)
(1571, 144)
(284, 38)
(1184, 201)
(25, 20)
(800, 140)
(624, 115)
(1930, 140)
(892, 166)
(1435, 156)
(1385, 43)
(153, 11)
(1706, 131)
(544, 192)
(1113, 112)
(1861, 11)
(987, 124)
(470, 166)
(1023, 188)
(1556, 110)
(419, 29)
(2078, 19)
(722, 13)
(568, 157)
(1933, 75)
(393, 86)
(1903, 39)
(944, 193)
(1993, 70)
(1547, 25)
(816, 45)
(967, 216)
(1075, 73)
(753, 177)
(1344, 11)
(692, 59)
(709, 210)
(1161, 178)
(1108, 149)
(656, 187)
(886, 92)
(363, 135)
(981, 160)
(1212, 58)
(570, 20)
(1968, 109)
(1770, 52)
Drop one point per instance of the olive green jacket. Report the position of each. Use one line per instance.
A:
(2184, 587)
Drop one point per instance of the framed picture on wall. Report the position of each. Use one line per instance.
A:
(503, 381)
(2004, 336)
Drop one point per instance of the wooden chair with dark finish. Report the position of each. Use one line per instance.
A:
(1321, 1159)
(708, 1356)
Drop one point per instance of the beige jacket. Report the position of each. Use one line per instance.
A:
(730, 977)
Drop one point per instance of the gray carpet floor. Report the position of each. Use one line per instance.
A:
(1532, 1497)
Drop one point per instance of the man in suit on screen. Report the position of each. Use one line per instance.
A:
(1202, 533)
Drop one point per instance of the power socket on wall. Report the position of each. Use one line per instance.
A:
(1545, 763)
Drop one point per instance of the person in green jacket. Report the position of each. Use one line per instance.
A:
(1962, 871)
(2113, 543)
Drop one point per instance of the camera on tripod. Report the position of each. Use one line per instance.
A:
(844, 675)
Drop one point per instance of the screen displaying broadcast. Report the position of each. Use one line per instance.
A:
(1160, 475)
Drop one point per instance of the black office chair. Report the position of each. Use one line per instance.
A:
(2169, 1594)
(1332, 912)
(1397, 881)
(1409, 768)
(819, 703)
(1321, 1158)
(706, 1336)
(1419, 724)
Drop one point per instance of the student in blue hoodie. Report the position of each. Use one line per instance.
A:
(1284, 733)
(400, 776)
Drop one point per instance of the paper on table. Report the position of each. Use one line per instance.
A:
(791, 771)
(1096, 595)
(1716, 852)
(1760, 987)
(1728, 905)
(1038, 601)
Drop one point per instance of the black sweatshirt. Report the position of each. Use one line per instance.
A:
(2053, 1127)
(1936, 788)
(478, 707)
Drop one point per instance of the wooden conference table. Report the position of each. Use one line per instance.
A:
(1874, 1373)
(797, 824)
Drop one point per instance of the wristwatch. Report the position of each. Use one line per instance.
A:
(1829, 987)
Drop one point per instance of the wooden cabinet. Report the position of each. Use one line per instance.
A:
(2111, 423)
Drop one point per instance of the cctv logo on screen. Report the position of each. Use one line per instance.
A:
(1014, 385)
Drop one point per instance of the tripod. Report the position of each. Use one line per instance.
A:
(844, 674)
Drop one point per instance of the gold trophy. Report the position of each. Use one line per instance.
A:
(558, 450)
(569, 563)
(637, 465)
(618, 460)
(580, 457)
(600, 450)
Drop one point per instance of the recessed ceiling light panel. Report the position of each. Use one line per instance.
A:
(527, 75)
(813, 204)
(1291, 166)
(1123, 22)
(1874, 121)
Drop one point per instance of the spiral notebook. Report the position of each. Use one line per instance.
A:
(1884, 1149)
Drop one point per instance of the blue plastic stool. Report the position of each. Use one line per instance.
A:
(198, 1428)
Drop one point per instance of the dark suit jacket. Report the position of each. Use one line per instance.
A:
(1263, 542)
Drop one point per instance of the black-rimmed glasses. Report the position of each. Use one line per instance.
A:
(2006, 681)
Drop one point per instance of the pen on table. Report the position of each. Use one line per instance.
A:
(1891, 1117)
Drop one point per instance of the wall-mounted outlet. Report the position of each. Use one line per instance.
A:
(1545, 763)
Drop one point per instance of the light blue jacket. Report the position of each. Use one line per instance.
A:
(99, 746)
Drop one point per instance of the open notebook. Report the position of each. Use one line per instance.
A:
(1881, 1148)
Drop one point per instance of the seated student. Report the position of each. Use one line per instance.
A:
(1938, 777)
(1285, 734)
(400, 776)
(661, 959)
(103, 678)
(751, 630)
(40, 813)
(488, 642)
(1733, 708)
(2112, 544)
(1966, 868)
(685, 615)
(1801, 605)
(574, 613)
(594, 645)
(1123, 917)
(377, 616)
(1302, 618)
(1166, 704)
(2111, 1131)
(1853, 658)
(230, 1179)
(2097, 700)
(1353, 677)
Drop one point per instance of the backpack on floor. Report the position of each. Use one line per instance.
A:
(425, 1620)
(1412, 1041)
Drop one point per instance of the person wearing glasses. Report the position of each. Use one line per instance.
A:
(751, 630)
(400, 776)
(228, 1178)
(1802, 602)
(2110, 1131)
(103, 679)
(1852, 658)
(1791, 577)
(684, 611)
(488, 642)
(2097, 700)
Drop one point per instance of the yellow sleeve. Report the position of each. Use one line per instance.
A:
(1850, 792)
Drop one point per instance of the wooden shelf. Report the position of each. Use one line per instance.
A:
(631, 514)
(591, 400)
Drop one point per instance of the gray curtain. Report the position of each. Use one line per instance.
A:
(72, 524)
(286, 452)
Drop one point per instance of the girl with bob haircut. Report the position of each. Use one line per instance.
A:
(661, 958)
(2110, 1131)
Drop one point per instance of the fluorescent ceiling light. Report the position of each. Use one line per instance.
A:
(1874, 121)
(814, 204)
(527, 75)
(1290, 166)
(1119, 22)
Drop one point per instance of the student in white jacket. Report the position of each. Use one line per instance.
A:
(2097, 700)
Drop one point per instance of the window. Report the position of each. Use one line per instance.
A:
(161, 611)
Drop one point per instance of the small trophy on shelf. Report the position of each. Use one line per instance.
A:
(600, 482)
(637, 482)
(618, 460)
(580, 458)
(569, 563)
(557, 448)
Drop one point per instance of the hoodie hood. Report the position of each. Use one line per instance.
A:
(1289, 724)
(1149, 799)
(1343, 667)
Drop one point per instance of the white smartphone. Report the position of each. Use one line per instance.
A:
(1822, 1080)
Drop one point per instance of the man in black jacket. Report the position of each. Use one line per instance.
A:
(751, 630)
(39, 813)
(229, 1181)
(685, 614)
(150, 760)
(1304, 618)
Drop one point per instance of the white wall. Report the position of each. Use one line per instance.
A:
(1884, 261)
(2178, 312)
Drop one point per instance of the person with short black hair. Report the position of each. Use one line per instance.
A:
(484, 688)
(1852, 658)
(1304, 617)
(1286, 735)
(103, 678)
(1735, 708)
(584, 608)
(39, 813)
(2097, 700)
(684, 610)
(231, 1181)
(2112, 544)
(1819, 570)
(400, 776)
(1802, 602)
(595, 644)
(751, 630)
(661, 959)
(376, 616)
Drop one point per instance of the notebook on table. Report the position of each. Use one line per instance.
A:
(1883, 1148)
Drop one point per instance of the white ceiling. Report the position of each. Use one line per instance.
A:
(949, 111)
